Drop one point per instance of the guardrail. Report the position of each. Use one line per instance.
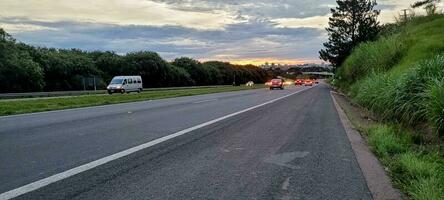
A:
(86, 92)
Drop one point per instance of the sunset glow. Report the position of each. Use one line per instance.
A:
(260, 61)
(241, 32)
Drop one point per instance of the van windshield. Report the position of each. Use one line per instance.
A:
(116, 81)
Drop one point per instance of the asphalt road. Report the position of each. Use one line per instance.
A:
(293, 148)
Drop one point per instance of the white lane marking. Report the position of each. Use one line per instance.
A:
(66, 174)
(208, 100)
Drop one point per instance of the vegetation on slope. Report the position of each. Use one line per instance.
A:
(400, 79)
(399, 76)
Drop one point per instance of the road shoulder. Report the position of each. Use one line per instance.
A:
(377, 180)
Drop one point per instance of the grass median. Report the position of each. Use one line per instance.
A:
(11, 107)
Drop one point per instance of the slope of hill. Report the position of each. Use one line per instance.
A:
(400, 79)
(400, 76)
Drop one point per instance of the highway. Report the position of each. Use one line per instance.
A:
(254, 144)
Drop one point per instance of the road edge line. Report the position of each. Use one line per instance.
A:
(378, 182)
(93, 164)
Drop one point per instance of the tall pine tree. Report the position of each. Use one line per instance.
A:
(352, 22)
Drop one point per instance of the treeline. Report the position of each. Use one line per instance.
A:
(26, 68)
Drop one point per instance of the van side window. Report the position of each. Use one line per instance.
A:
(139, 81)
(134, 81)
(124, 81)
(130, 81)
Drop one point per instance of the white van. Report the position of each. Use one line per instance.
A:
(124, 84)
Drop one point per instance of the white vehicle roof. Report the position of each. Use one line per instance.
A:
(126, 77)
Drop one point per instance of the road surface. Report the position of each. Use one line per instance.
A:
(285, 144)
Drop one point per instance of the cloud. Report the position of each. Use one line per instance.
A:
(257, 8)
(240, 41)
(309, 22)
(230, 30)
(129, 12)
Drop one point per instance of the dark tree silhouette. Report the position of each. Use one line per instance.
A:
(352, 22)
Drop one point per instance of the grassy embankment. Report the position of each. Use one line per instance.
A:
(10, 107)
(400, 79)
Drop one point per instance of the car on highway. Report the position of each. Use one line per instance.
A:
(249, 83)
(298, 82)
(125, 84)
(277, 83)
(308, 82)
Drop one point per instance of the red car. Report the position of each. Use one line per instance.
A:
(277, 83)
(298, 82)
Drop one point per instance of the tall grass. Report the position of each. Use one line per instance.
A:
(419, 39)
(376, 56)
(412, 98)
(376, 92)
(411, 90)
(435, 104)
(400, 78)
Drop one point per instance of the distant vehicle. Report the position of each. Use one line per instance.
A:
(298, 82)
(277, 83)
(124, 84)
(308, 82)
(249, 83)
(288, 82)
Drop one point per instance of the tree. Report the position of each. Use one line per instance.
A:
(429, 5)
(18, 72)
(200, 74)
(24, 68)
(352, 22)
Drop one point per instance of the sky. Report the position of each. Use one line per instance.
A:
(238, 31)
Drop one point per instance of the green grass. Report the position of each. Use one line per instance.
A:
(416, 171)
(11, 107)
(377, 56)
(400, 79)
(418, 40)
(386, 143)
(412, 98)
(435, 104)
